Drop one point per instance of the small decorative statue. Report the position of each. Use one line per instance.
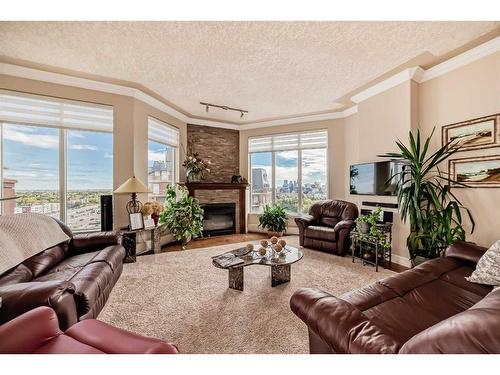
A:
(236, 179)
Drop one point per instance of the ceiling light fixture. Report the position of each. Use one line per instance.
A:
(224, 107)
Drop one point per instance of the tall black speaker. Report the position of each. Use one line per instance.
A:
(106, 212)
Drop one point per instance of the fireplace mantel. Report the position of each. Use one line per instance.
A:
(241, 187)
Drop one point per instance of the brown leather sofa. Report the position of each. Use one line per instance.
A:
(37, 332)
(74, 278)
(327, 226)
(428, 309)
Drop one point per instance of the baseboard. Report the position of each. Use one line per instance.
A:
(402, 261)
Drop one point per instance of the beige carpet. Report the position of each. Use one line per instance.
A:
(183, 298)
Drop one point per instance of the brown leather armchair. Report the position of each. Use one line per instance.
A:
(431, 308)
(327, 226)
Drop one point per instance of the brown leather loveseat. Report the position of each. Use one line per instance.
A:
(428, 309)
(327, 226)
(74, 278)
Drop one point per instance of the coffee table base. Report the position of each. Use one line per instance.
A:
(280, 274)
(236, 278)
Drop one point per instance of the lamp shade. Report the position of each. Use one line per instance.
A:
(132, 185)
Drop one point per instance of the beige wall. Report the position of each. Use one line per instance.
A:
(380, 121)
(129, 130)
(466, 93)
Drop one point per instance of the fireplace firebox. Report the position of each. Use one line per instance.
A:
(219, 219)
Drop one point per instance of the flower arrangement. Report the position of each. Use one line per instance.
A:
(154, 209)
(196, 167)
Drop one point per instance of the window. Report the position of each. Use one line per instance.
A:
(56, 157)
(163, 148)
(288, 169)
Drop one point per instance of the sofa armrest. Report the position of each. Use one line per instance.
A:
(29, 331)
(22, 297)
(343, 327)
(87, 242)
(304, 221)
(344, 224)
(467, 251)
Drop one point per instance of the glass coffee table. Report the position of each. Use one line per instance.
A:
(280, 265)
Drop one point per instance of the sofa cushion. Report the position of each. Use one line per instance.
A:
(329, 221)
(320, 233)
(18, 274)
(47, 259)
(474, 331)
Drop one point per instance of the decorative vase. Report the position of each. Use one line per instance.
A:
(185, 241)
(274, 234)
(193, 177)
(155, 218)
(363, 227)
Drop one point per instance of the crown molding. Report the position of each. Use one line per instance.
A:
(415, 73)
(393, 81)
(420, 75)
(296, 120)
(467, 57)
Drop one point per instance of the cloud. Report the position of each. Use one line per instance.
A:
(107, 155)
(36, 140)
(156, 155)
(84, 147)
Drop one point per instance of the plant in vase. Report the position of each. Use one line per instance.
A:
(196, 167)
(183, 215)
(154, 209)
(274, 219)
(425, 198)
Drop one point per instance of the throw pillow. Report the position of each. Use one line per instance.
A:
(488, 268)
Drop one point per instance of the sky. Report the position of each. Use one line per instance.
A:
(313, 165)
(31, 156)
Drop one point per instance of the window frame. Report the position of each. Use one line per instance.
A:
(299, 167)
(62, 149)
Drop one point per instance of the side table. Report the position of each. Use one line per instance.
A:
(129, 242)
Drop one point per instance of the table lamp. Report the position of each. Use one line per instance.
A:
(133, 186)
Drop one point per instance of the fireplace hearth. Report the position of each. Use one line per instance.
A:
(219, 219)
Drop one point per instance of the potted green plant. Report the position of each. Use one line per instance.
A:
(274, 219)
(425, 198)
(366, 226)
(183, 215)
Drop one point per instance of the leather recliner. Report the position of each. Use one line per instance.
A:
(431, 308)
(327, 226)
(37, 332)
(74, 278)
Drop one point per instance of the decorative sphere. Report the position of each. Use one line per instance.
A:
(262, 251)
(282, 242)
(278, 247)
(249, 247)
(263, 243)
(274, 240)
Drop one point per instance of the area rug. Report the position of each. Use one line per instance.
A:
(181, 297)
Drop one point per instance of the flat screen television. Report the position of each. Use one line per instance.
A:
(372, 178)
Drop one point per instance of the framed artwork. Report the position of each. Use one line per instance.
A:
(483, 132)
(481, 171)
(136, 221)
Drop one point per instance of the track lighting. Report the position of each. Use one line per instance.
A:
(224, 107)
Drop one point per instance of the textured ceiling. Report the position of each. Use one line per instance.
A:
(271, 69)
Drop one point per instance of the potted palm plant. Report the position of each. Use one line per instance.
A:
(425, 198)
(274, 219)
(183, 215)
